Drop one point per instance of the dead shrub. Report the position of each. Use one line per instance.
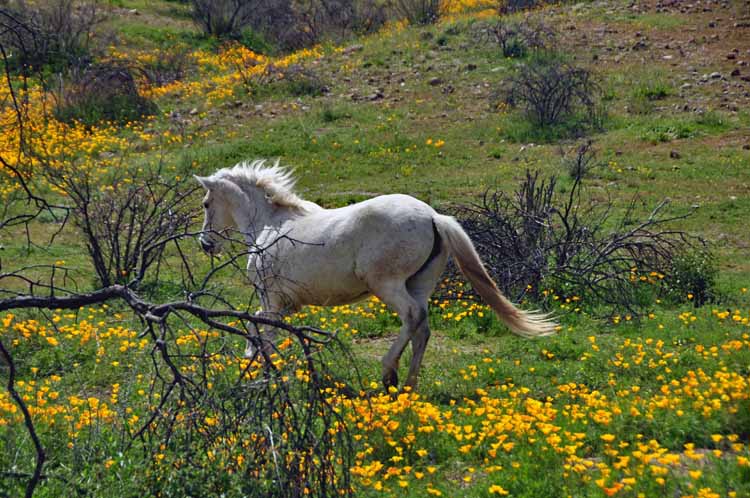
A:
(55, 32)
(169, 66)
(553, 93)
(417, 11)
(517, 37)
(544, 237)
(510, 6)
(102, 92)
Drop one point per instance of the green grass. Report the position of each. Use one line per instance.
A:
(346, 149)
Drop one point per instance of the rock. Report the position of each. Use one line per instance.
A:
(353, 48)
(674, 154)
(193, 111)
(735, 72)
(448, 89)
(134, 12)
(435, 81)
(376, 96)
(686, 86)
(731, 56)
(715, 75)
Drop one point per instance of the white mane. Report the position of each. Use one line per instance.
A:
(275, 181)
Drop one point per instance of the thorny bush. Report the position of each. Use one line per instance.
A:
(55, 32)
(553, 93)
(267, 418)
(542, 237)
(100, 92)
(516, 38)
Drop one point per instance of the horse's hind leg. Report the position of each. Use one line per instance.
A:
(412, 314)
(421, 287)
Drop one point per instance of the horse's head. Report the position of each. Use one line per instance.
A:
(217, 211)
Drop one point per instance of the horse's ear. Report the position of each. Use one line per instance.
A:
(205, 181)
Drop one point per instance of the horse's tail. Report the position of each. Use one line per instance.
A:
(524, 323)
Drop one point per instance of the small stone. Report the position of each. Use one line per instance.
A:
(715, 75)
(193, 111)
(731, 56)
(353, 48)
(674, 154)
(685, 86)
(435, 81)
(134, 12)
(735, 72)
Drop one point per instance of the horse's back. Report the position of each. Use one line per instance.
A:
(343, 253)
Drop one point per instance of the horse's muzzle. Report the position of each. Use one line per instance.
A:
(207, 245)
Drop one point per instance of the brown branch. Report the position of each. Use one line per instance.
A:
(40, 454)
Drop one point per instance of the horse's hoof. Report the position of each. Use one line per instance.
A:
(390, 379)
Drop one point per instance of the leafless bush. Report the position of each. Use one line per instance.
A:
(170, 65)
(516, 37)
(297, 79)
(51, 32)
(223, 18)
(338, 19)
(277, 20)
(580, 160)
(276, 408)
(553, 92)
(417, 11)
(539, 238)
(126, 225)
(289, 24)
(510, 6)
(101, 92)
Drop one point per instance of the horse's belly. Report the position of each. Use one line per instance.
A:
(327, 290)
(336, 299)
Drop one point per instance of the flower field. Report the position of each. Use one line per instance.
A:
(648, 410)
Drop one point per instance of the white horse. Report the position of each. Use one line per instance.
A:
(392, 246)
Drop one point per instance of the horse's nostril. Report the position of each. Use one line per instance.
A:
(206, 245)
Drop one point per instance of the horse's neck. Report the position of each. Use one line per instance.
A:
(252, 219)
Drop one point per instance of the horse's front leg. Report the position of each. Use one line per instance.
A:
(265, 338)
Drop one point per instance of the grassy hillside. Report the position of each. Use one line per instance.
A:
(654, 405)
